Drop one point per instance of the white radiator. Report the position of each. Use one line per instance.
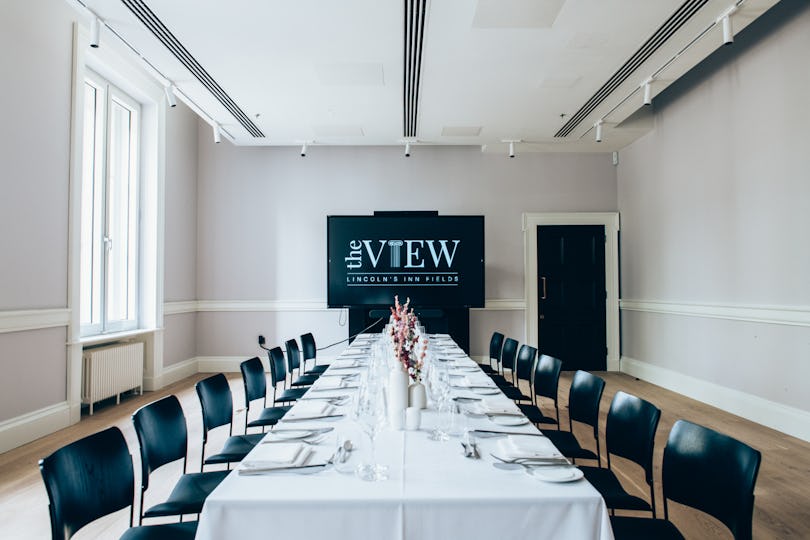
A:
(110, 371)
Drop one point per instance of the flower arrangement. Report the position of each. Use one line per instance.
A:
(405, 339)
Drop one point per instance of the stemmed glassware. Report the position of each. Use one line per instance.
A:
(441, 395)
(371, 414)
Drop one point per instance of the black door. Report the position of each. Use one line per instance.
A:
(571, 295)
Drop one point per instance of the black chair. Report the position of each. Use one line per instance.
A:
(546, 380)
(217, 410)
(163, 438)
(495, 347)
(506, 359)
(310, 352)
(584, 397)
(629, 433)
(508, 354)
(524, 363)
(294, 364)
(93, 477)
(255, 383)
(706, 470)
(278, 374)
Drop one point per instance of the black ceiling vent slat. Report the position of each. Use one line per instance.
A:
(164, 35)
(414, 32)
(664, 32)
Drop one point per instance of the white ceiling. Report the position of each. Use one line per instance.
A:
(330, 72)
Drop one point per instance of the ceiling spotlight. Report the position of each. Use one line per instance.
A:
(728, 32)
(598, 126)
(169, 90)
(407, 149)
(217, 134)
(511, 146)
(647, 92)
(95, 31)
(304, 150)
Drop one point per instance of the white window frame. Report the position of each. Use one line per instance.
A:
(100, 235)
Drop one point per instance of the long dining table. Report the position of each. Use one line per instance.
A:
(433, 491)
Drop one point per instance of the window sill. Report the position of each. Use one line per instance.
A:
(112, 336)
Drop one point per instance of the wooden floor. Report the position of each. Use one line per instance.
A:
(782, 507)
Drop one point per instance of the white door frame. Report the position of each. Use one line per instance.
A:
(610, 220)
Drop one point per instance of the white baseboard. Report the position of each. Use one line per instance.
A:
(789, 420)
(31, 426)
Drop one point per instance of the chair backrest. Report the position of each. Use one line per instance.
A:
(495, 346)
(712, 472)
(216, 402)
(630, 430)
(293, 355)
(278, 368)
(254, 379)
(525, 362)
(86, 480)
(508, 353)
(162, 435)
(584, 398)
(547, 376)
(308, 346)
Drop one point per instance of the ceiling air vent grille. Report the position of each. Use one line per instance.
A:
(412, 61)
(670, 26)
(156, 26)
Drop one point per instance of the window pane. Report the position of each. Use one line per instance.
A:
(92, 256)
(122, 215)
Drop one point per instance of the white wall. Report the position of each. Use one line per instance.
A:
(715, 208)
(262, 224)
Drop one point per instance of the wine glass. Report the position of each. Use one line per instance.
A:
(370, 413)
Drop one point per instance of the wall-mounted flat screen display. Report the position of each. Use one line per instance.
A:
(436, 261)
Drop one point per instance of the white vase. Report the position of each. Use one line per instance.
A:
(417, 396)
(397, 397)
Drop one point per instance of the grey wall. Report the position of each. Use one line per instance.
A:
(715, 207)
(34, 153)
(180, 240)
(35, 99)
(262, 226)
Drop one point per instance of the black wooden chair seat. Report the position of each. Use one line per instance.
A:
(269, 416)
(236, 447)
(170, 531)
(188, 495)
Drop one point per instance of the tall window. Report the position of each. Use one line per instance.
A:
(109, 209)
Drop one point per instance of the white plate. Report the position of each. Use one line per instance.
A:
(557, 474)
(291, 434)
(509, 420)
(485, 391)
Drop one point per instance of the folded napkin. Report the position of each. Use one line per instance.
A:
(327, 383)
(272, 456)
(495, 406)
(478, 381)
(516, 447)
(310, 409)
(343, 363)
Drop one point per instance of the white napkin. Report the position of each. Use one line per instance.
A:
(343, 363)
(309, 409)
(515, 446)
(495, 406)
(270, 456)
(478, 381)
(325, 383)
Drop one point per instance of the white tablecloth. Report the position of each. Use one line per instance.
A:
(433, 493)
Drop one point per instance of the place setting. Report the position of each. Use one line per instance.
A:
(535, 456)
